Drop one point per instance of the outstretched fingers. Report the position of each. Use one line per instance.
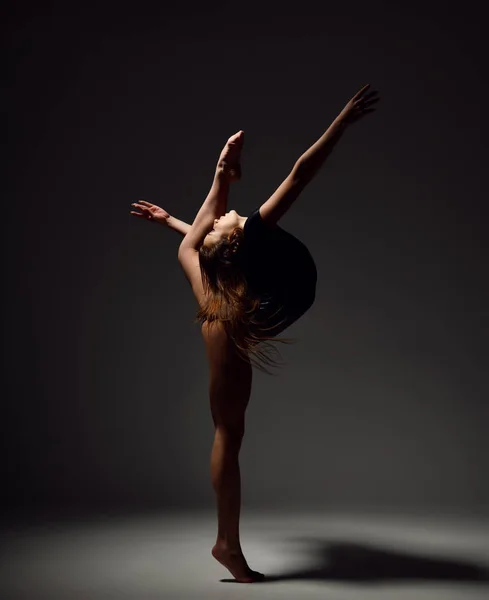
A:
(365, 104)
(146, 213)
(360, 92)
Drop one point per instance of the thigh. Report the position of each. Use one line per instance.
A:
(230, 383)
(228, 407)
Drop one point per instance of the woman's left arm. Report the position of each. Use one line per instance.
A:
(152, 212)
(178, 225)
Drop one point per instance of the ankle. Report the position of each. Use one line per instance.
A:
(230, 545)
(225, 171)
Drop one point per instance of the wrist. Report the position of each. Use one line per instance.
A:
(178, 225)
(341, 122)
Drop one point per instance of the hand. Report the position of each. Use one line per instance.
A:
(228, 161)
(151, 212)
(358, 106)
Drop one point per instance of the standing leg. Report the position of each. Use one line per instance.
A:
(228, 413)
(226, 481)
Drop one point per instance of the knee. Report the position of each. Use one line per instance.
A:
(231, 433)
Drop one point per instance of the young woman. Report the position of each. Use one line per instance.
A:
(251, 280)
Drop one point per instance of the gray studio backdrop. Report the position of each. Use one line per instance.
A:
(383, 399)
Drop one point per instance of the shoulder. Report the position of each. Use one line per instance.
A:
(190, 263)
(255, 224)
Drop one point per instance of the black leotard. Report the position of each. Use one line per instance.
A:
(280, 271)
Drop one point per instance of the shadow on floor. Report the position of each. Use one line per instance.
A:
(346, 561)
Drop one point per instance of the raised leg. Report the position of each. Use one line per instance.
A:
(229, 159)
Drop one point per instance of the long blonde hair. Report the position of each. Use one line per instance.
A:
(230, 301)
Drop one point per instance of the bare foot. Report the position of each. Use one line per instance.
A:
(236, 564)
(230, 155)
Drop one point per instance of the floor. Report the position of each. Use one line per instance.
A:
(304, 556)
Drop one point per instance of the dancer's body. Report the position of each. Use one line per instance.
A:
(222, 247)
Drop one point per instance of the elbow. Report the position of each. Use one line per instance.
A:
(184, 247)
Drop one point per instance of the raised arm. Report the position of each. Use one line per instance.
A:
(313, 158)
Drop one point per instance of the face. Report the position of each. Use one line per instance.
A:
(222, 228)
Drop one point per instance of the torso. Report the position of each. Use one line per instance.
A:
(279, 270)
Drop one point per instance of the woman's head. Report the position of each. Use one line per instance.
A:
(223, 228)
(220, 253)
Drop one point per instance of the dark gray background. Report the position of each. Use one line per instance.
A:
(383, 400)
